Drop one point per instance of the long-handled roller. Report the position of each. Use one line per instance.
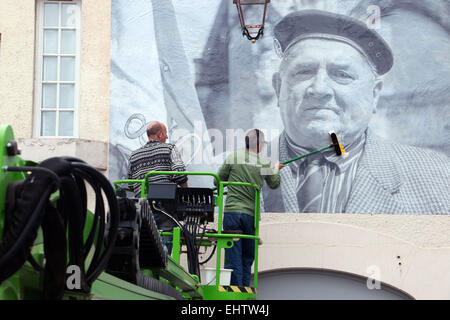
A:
(338, 148)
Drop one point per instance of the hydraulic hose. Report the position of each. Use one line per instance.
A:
(26, 201)
(69, 175)
(99, 183)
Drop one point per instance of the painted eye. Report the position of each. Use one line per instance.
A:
(304, 74)
(342, 75)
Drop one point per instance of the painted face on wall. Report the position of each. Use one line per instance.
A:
(322, 86)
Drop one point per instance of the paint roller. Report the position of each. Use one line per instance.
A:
(338, 148)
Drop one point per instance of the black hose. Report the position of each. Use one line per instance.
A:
(37, 213)
(27, 203)
(210, 256)
(45, 171)
(99, 213)
(190, 237)
(214, 248)
(69, 175)
(95, 178)
(35, 264)
(83, 197)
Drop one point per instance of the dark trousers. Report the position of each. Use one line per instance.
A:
(241, 255)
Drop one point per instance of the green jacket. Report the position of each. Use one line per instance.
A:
(245, 166)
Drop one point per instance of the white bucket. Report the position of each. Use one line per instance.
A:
(208, 276)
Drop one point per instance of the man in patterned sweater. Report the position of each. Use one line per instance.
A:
(157, 155)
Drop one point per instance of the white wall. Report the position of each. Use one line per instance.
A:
(410, 252)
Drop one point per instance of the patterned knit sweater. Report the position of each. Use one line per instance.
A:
(155, 156)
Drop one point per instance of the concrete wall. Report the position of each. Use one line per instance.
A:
(409, 252)
(95, 69)
(93, 152)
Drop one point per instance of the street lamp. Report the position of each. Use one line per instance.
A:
(251, 10)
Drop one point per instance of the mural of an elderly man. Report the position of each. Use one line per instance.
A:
(330, 79)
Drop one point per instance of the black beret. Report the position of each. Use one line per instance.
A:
(301, 24)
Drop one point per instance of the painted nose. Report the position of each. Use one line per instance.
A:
(319, 87)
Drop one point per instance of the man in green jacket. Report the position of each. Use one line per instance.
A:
(239, 214)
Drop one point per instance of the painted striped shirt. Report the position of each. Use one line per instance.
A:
(155, 156)
(337, 172)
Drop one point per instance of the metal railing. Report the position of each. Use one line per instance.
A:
(223, 239)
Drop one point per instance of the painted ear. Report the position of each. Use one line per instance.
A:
(276, 83)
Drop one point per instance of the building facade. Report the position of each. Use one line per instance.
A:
(55, 93)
